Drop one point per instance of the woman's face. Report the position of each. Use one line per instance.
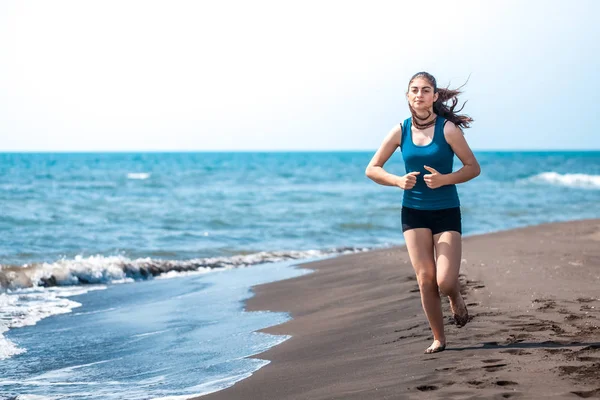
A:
(420, 94)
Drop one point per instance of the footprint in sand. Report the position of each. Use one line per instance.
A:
(557, 329)
(545, 304)
(589, 329)
(488, 384)
(475, 383)
(580, 372)
(530, 326)
(538, 326)
(588, 394)
(492, 360)
(585, 299)
(426, 388)
(506, 383)
(494, 368)
(573, 317)
(586, 354)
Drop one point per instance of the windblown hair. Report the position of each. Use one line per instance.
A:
(445, 95)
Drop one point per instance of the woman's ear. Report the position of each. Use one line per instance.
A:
(436, 96)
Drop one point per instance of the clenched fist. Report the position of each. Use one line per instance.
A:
(408, 181)
(433, 180)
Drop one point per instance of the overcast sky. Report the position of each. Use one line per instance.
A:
(281, 75)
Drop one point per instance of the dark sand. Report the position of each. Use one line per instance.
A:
(358, 330)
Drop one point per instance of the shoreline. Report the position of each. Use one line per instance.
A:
(358, 330)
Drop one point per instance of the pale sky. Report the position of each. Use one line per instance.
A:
(281, 75)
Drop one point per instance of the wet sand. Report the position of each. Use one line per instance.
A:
(358, 330)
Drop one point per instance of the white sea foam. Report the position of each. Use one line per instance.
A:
(26, 306)
(30, 293)
(178, 274)
(138, 175)
(63, 374)
(7, 348)
(570, 180)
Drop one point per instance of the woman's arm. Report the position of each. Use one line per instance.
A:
(375, 169)
(456, 139)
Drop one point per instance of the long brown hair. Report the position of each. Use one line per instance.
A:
(444, 95)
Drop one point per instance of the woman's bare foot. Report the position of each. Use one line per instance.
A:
(436, 347)
(459, 311)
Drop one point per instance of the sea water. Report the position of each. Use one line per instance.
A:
(124, 275)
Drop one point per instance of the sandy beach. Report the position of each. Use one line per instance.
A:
(358, 331)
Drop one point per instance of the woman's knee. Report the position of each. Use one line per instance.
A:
(426, 278)
(447, 286)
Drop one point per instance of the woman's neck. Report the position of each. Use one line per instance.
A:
(423, 120)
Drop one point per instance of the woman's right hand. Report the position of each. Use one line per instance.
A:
(408, 181)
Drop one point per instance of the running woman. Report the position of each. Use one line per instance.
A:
(431, 216)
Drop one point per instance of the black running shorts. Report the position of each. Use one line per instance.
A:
(447, 219)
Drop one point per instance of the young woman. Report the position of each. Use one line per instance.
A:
(431, 219)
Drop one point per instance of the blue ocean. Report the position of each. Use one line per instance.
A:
(124, 275)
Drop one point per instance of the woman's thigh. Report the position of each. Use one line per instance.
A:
(419, 242)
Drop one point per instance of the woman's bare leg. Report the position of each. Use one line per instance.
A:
(419, 243)
(448, 250)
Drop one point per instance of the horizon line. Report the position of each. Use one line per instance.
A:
(269, 151)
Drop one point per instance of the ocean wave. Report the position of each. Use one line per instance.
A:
(31, 293)
(119, 269)
(138, 175)
(570, 180)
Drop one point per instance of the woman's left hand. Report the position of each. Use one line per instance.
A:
(433, 180)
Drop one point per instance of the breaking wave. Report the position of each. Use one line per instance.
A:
(570, 180)
(118, 269)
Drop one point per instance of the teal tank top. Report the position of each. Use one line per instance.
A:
(437, 154)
